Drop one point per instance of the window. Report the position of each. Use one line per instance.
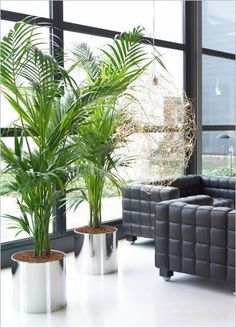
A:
(72, 38)
(5, 27)
(218, 153)
(173, 61)
(218, 83)
(218, 25)
(112, 15)
(111, 210)
(7, 113)
(8, 203)
(9, 206)
(170, 28)
(34, 8)
(124, 15)
(218, 87)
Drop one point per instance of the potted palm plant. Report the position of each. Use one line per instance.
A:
(97, 142)
(36, 167)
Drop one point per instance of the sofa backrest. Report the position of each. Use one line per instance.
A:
(219, 187)
(188, 185)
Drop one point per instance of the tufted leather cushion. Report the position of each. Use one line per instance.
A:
(198, 199)
(188, 185)
(196, 240)
(138, 204)
(222, 202)
(219, 187)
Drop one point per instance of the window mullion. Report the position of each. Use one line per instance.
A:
(56, 14)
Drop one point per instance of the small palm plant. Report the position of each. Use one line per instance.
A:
(98, 140)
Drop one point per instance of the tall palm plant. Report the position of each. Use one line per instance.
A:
(97, 140)
(34, 85)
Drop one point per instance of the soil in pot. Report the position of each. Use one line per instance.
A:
(102, 229)
(29, 256)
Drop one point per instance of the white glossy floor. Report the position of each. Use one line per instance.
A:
(134, 297)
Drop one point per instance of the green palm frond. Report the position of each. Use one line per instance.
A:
(84, 59)
(13, 51)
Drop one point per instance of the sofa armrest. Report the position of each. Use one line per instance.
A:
(192, 239)
(143, 198)
(197, 200)
(139, 206)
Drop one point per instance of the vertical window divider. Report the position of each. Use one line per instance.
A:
(193, 75)
(57, 48)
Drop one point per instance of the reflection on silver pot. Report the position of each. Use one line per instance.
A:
(39, 287)
(96, 254)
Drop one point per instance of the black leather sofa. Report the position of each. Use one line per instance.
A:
(139, 201)
(195, 239)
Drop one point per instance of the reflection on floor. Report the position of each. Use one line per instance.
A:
(134, 297)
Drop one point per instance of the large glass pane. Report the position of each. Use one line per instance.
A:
(112, 15)
(169, 20)
(5, 27)
(218, 25)
(111, 210)
(72, 38)
(8, 204)
(7, 113)
(173, 61)
(218, 153)
(35, 8)
(124, 15)
(218, 91)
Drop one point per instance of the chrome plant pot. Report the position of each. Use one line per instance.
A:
(96, 254)
(39, 287)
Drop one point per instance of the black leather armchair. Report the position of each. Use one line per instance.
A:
(195, 239)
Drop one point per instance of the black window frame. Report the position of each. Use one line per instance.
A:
(61, 238)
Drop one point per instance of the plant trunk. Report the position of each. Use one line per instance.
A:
(95, 215)
(41, 243)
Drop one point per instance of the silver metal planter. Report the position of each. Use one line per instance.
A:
(39, 287)
(96, 254)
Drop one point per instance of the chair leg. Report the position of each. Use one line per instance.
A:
(131, 238)
(233, 289)
(166, 274)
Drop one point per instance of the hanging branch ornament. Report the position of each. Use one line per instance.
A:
(160, 131)
(158, 137)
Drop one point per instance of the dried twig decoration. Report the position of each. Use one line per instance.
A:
(160, 130)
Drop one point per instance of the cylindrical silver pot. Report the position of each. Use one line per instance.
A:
(96, 254)
(39, 287)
